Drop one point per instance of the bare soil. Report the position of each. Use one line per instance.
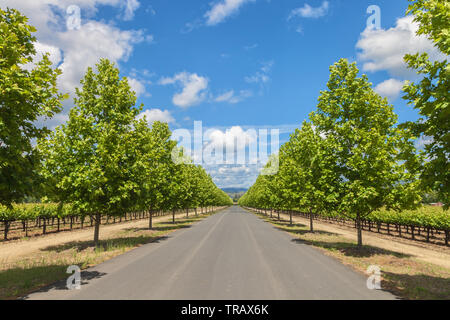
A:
(18, 249)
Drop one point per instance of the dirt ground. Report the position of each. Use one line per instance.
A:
(16, 250)
(434, 254)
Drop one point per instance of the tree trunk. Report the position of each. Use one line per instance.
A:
(311, 220)
(278, 212)
(98, 220)
(173, 216)
(6, 230)
(195, 211)
(358, 225)
(150, 219)
(187, 212)
(44, 226)
(58, 224)
(290, 217)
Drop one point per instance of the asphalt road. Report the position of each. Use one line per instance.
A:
(230, 255)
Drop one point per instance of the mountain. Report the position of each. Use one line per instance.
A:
(234, 190)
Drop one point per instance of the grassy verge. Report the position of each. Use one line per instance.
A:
(50, 265)
(403, 275)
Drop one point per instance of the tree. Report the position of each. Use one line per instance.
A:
(283, 185)
(27, 92)
(431, 95)
(90, 159)
(152, 165)
(374, 160)
(315, 180)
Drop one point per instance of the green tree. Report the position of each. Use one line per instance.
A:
(374, 160)
(431, 95)
(27, 92)
(314, 177)
(91, 158)
(152, 165)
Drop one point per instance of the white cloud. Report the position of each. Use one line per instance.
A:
(385, 49)
(194, 88)
(257, 77)
(153, 115)
(251, 47)
(261, 76)
(423, 141)
(84, 47)
(310, 12)
(242, 169)
(220, 11)
(235, 136)
(130, 7)
(137, 86)
(53, 122)
(75, 50)
(231, 97)
(390, 89)
(42, 48)
(225, 97)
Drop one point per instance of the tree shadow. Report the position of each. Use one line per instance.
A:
(106, 244)
(347, 248)
(298, 228)
(161, 227)
(85, 277)
(416, 287)
(351, 249)
(305, 231)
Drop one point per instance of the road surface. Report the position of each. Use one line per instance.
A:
(231, 255)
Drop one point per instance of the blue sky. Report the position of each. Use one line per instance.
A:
(228, 63)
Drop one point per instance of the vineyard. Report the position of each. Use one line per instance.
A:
(428, 224)
(29, 220)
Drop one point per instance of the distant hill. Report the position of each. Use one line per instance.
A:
(235, 193)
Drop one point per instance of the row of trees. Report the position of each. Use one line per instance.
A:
(352, 157)
(104, 160)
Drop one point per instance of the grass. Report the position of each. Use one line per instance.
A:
(402, 275)
(50, 265)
